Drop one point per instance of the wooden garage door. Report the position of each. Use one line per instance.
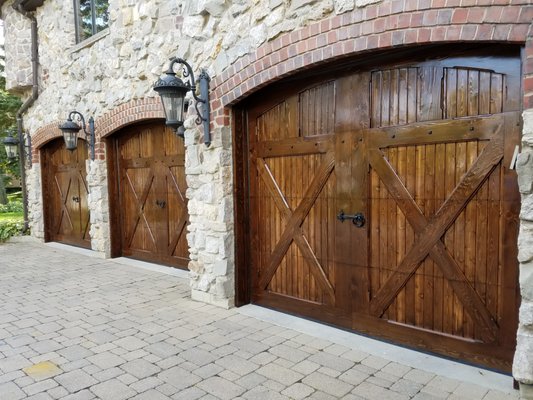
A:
(153, 207)
(65, 194)
(383, 201)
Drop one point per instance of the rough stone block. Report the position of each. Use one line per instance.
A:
(525, 242)
(526, 212)
(527, 117)
(526, 281)
(524, 169)
(526, 314)
(523, 358)
(342, 6)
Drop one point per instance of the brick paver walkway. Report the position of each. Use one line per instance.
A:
(78, 327)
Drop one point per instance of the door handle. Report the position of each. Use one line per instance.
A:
(160, 203)
(75, 199)
(357, 219)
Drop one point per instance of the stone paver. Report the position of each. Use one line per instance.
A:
(76, 380)
(112, 389)
(74, 327)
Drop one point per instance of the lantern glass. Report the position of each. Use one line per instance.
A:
(11, 145)
(71, 139)
(173, 106)
(11, 150)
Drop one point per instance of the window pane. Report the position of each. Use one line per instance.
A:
(85, 19)
(92, 17)
(102, 15)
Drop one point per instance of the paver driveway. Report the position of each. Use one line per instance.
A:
(79, 327)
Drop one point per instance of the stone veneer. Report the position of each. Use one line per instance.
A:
(523, 361)
(35, 201)
(244, 45)
(98, 202)
(18, 53)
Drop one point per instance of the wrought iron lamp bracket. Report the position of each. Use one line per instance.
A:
(89, 134)
(203, 99)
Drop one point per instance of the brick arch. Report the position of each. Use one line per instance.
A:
(42, 136)
(121, 116)
(381, 26)
(126, 114)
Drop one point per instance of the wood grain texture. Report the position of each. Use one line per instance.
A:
(153, 206)
(65, 193)
(420, 149)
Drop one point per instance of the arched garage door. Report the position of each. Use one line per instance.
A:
(382, 200)
(150, 194)
(64, 178)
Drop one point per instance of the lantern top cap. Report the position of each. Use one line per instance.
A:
(70, 126)
(170, 81)
(10, 140)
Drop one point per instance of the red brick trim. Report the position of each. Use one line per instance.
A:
(134, 111)
(386, 25)
(42, 136)
(126, 114)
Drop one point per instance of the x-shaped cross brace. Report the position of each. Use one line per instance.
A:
(429, 234)
(293, 230)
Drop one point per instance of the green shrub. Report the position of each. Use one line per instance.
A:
(14, 196)
(12, 206)
(10, 228)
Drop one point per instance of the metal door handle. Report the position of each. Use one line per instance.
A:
(75, 199)
(357, 219)
(161, 203)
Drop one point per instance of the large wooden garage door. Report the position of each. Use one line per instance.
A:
(65, 194)
(383, 201)
(153, 207)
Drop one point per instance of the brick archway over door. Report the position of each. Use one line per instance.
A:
(388, 25)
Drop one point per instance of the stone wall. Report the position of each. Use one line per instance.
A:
(35, 201)
(98, 201)
(210, 232)
(523, 361)
(17, 46)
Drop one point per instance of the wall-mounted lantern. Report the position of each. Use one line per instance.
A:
(70, 131)
(13, 145)
(173, 90)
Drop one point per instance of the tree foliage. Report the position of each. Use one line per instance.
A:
(9, 105)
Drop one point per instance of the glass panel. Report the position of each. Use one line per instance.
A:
(11, 150)
(71, 140)
(92, 16)
(102, 14)
(85, 20)
(173, 105)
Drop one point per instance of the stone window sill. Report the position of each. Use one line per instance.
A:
(89, 41)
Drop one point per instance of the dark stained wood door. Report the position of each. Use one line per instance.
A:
(153, 206)
(65, 194)
(421, 152)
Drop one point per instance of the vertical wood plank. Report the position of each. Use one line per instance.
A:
(459, 246)
(391, 231)
(429, 199)
(401, 233)
(451, 93)
(471, 239)
(438, 290)
(484, 92)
